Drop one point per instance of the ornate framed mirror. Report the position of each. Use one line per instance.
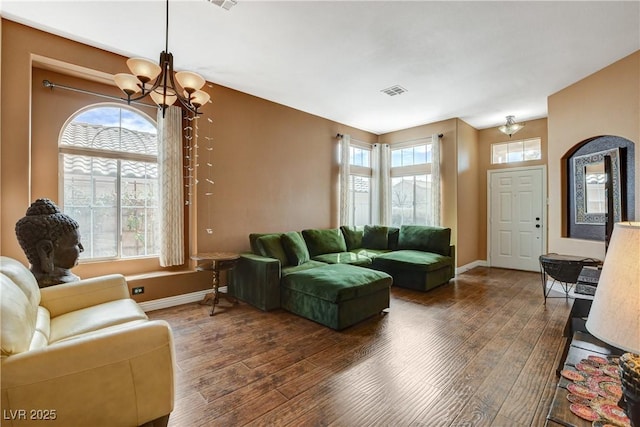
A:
(589, 186)
(586, 203)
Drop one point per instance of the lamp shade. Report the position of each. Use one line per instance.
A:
(128, 83)
(143, 69)
(199, 98)
(189, 81)
(162, 100)
(615, 313)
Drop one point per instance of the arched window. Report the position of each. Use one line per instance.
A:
(109, 169)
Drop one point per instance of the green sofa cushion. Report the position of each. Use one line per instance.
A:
(370, 253)
(352, 236)
(256, 248)
(306, 266)
(425, 238)
(344, 258)
(271, 246)
(337, 282)
(295, 248)
(411, 260)
(392, 238)
(324, 241)
(375, 237)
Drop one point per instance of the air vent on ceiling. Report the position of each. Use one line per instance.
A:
(394, 90)
(225, 4)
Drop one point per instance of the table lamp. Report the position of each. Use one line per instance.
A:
(615, 313)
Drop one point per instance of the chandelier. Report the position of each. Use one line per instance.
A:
(159, 81)
(511, 126)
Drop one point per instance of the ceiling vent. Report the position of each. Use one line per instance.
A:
(225, 4)
(394, 90)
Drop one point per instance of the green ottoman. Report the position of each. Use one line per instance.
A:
(335, 295)
(416, 269)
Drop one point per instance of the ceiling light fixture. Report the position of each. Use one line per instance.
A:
(159, 81)
(511, 126)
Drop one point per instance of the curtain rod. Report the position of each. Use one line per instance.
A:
(51, 85)
(339, 135)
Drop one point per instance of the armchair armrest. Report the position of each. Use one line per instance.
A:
(61, 299)
(256, 280)
(122, 375)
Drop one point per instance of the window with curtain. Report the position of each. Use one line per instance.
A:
(360, 174)
(412, 184)
(109, 169)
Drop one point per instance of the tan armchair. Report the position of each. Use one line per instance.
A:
(81, 353)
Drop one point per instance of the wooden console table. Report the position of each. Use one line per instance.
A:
(216, 262)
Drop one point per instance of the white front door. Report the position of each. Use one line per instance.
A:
(516, 218)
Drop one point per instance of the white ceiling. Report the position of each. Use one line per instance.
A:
(475, 60)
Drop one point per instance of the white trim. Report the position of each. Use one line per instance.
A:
(157, 304)
(471, 265)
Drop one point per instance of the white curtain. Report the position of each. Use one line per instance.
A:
(171, 187)
(380, 185)
(345, 144)
(435, 179)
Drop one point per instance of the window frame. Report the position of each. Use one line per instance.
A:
(119, 156)
(413, 170)
(523, 150)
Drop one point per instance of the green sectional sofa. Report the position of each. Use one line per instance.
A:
(341, 276)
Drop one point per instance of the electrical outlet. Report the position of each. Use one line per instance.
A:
(137, 291)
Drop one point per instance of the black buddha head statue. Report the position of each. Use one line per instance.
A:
(51, 241)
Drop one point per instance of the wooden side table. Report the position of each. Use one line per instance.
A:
(216, 262)
(563, 269)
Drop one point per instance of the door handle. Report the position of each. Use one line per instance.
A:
(537, 225)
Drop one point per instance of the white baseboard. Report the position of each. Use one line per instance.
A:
(157, 304)
(474, 264)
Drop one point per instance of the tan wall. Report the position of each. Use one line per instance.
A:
(274, 168)
(486, 137)
(468, 195)
(604, 103)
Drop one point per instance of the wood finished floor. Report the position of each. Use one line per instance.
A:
(480, 351)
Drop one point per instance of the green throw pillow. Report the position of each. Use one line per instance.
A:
(271, 246)
(352, 236)
(326, 241)
(392, 237)
(375, 237)
(295, 248)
